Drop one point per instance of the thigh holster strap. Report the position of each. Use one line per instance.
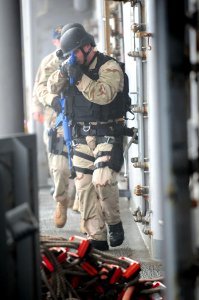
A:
(101, 164)
(83, 170)
(83, 155)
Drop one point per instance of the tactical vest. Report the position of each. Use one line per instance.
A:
(82, 110)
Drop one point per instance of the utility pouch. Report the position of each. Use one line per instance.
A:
(72, 173)
(117, 159)
(56, 144)
(59, 145)
(52, 139)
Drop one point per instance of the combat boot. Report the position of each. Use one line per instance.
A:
(60, 214)
(76, 206)
(100, 245)
(116, 234)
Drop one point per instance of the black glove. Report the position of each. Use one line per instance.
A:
(64, 70)
(75, 73)
(56, 105)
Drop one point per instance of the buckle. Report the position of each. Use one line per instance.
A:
(74, 143)
(77, 141)
(109, 140)
(86, 128)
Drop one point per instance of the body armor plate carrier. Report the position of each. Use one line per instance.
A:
(81, 110)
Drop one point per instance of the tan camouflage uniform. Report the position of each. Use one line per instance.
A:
(58, 164)
(98, 193)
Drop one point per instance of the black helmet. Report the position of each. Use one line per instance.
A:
(75, 38)
(71, 25)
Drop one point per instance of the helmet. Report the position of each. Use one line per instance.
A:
(75, 38)
(71, 25)
(56, 34)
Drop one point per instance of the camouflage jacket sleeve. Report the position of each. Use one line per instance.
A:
(37, 105)
(56, 83)
(101, 91)
(47, 67)
(105, 89)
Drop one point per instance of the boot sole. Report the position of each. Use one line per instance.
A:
(60, 226)
(95, 245)
(116, 244)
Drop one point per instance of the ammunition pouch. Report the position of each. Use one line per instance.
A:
(116, 161)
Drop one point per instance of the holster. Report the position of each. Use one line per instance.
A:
(55, 144)
(117, 159)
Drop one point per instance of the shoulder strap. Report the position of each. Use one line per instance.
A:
(101, 59)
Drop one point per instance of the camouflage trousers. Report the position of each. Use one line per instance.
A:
(98, 193)
(64, 188)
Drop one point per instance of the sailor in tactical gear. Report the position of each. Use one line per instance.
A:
(47, 106)
(95, 108)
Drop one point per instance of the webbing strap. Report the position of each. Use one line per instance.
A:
(102, 164)
(103, 153)
(83, 170)
(64, 154)
(83, 155)
(80, 140)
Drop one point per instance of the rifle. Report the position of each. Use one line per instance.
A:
(71, 61)
(62, 118)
